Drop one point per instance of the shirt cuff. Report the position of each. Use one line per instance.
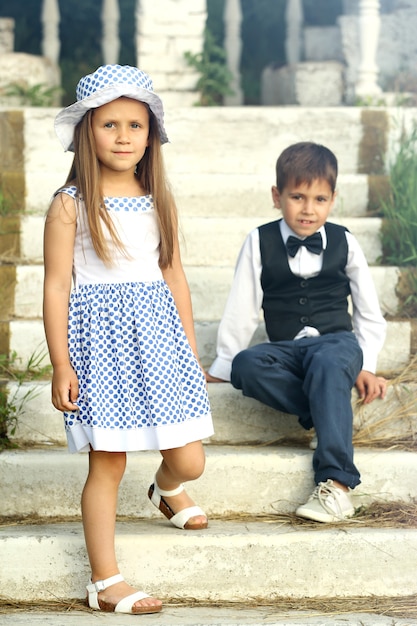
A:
(221, 368)
(369, 364)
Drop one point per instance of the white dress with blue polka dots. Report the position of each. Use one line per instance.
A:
(140, 385)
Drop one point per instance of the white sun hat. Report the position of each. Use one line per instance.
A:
(106, 84)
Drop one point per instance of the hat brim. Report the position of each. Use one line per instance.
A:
(68, 118)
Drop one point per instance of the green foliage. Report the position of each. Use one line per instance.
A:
(12, 405)
(215, 77)
(4, 204)
(399, 211)
(38, 95)
(395, 100)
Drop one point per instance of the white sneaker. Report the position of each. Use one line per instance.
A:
(327, 503)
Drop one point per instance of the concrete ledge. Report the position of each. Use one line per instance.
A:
(214, 615)
(231, 194)
(27, 280)
(273, 479)
(237, 420)
(228, 561)
(27, 337)
(212, 241)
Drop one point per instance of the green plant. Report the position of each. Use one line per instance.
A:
(215, 77)
(12, 403)
(38, 95)
(399, 212)
(4, 204)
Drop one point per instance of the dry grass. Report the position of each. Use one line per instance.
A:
(399, 607)
(378, 514)
(397, 428)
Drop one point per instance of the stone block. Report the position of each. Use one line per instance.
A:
(28, 71)
(309, 84)
(7, 283)
(6, 35)
(322, 43)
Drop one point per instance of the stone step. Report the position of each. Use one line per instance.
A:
(242, 143)
(25, 301)
(205, 241)
(206, 281)
(394, 356)
(229, 561)
(227, 195)
(47, 483)
(26, 338)
(216, 241)
(314, 612)
(237, 420)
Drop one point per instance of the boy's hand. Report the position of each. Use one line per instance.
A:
(370, 386)
(212, 379)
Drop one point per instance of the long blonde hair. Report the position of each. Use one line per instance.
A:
(85, 174)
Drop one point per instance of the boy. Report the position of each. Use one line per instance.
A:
(300, 270)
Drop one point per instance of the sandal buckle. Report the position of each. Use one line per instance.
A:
(99, 585)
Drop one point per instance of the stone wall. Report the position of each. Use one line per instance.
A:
(397, 49)
(303, 84)
(165, 31)
(24, 70)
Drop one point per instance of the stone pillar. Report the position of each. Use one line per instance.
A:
(165, 30)
(51, 44)
(110, 42)
(294, 18)
(233, 47)
(6, 35)
(369, 25)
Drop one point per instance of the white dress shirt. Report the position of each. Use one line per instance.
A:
(242, 312)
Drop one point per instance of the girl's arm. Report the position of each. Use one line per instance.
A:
(177, 282)
(59, 240)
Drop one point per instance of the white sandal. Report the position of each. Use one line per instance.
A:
(180, 519)
(124, 606)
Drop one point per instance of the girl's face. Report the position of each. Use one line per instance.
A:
(121, 132)
(305, 208)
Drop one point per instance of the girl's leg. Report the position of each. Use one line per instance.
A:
(180, 465)
(98, 504)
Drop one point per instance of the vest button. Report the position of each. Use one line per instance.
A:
(304, 319)
(302, 301)
(303, 284)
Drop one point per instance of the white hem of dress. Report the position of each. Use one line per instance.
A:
(84, 438)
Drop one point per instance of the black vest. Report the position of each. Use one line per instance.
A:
(291, 302)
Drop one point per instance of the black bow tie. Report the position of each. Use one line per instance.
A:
(314, 244)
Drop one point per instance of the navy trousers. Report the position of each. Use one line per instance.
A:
(313, 379)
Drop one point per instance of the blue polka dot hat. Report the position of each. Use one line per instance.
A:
(106, 84)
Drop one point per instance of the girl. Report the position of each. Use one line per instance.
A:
(121, 343)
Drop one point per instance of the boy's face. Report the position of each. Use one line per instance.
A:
(304, 207)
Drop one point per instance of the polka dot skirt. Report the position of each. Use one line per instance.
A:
(135, 367)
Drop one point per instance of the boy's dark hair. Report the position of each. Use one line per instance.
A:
(304, 162)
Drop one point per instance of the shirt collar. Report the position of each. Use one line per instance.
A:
(286, 232)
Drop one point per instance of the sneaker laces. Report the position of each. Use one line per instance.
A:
(322, 493)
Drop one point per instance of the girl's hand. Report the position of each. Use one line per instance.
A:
(64, 388)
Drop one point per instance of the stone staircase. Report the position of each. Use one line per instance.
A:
(221, 164)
